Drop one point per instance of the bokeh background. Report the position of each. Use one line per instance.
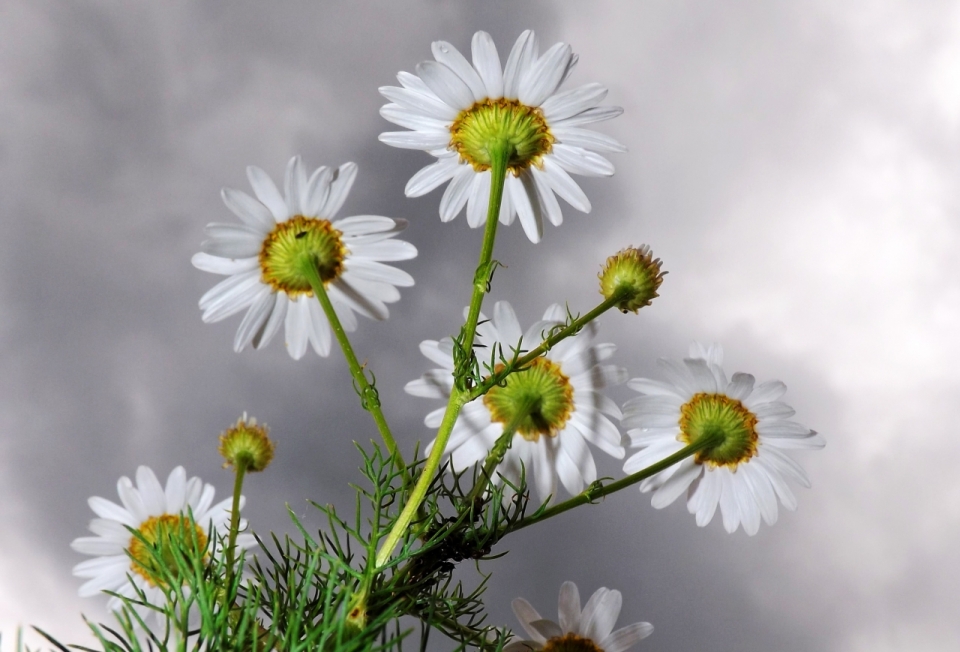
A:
(795, 164)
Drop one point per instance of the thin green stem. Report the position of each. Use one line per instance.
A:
(512, 366)
(240, 469)
(598, 490)
(369, 398)
(501, 446)
(500, 156)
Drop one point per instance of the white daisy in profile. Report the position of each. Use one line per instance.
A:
(564, 385)
(747, 471)
(590, 630)
(263, 258)
(460, 112)
(160, 514)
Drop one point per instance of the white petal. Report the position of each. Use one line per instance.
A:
(487, 62)
(564, 186)
(765, 393)
(318, 331)
(175, 491)
(255, 318)
(232, 241)
(506, 322)
(479, 199)
(547, 628)
(774, 410)
(580, 161)
(548, 201)
(729, 505)
(248, 209)
(342, 291)
(317, 190)
(278, 315)
(267, 193)
(96, 546)
(569, 103)
(526, 614)
(457, 193)
(654, 387)
(389, 250)
(568, 608)
(530, 219)
(590, 116)
(545, 76)
(425, 140)
(357, 226)
(439, 352)
(371, 270)
(429, 105)
(294, 185)
(412, 119)
(707, 497)
(433, 384)
(432, 176)
(573, 446)
(110, 510)
(587, 139)
(227, 266)
(740, 386)
(151, 492)
(543, 469)
(296, 327)
(450, 56)
(604, 617)
(518, 62)
(625, 638)
(340, 186)
(687, 471)
(411, 81)
(782, 429)
(230, 296)
(446, 84)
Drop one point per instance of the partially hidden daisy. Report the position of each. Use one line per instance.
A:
(564, 385)
(590, 630)
(263, 257)
(160, 514)
(460, 112)
(747, 471)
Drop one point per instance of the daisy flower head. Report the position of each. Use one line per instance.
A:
(461, 113)
(160, 514)
(563, 386)
(747, 471)
(589, 630)
(263, 259)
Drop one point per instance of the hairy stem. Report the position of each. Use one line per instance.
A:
(240, 469)
(498, 172)
(369, 398)
(598, 490)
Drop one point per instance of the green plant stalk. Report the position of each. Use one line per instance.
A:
(371, 402)
(241, 470)
(500, 448)
(499, 157)
(597, 490)
(515, 365)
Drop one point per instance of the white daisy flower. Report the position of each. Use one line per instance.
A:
(262, 258)
(590, 630)
(565, 383)
(747, 472)
(458, 111)
(156, 512)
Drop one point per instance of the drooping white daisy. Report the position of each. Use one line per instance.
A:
(590, 630)
(565, 385)
(747, 472)
(159, 514)
(460, 112)
(263, 258)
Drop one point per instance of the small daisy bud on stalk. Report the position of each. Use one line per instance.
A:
(246, 444)
(246, 447)
(633, 275)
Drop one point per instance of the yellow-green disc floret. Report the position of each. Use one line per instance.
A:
(491, 124)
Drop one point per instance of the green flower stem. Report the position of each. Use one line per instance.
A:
(500, 447)
(368, 394)
(240, 469)
(571, 329)
(598, 490)
(500, 156)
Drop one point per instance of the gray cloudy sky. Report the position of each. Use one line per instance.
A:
(793, 163)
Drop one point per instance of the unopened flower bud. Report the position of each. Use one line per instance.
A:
(246, 444)
(633, 275)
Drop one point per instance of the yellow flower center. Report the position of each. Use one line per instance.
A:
(489, 124)
(705, 415)
(285, 248)
(570, 643)
(165, 538)
(541, 385)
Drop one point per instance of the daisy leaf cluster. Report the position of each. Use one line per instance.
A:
(522, 411)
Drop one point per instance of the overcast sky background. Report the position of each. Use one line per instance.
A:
(795, 164)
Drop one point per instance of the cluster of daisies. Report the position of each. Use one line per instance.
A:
(460, 111)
